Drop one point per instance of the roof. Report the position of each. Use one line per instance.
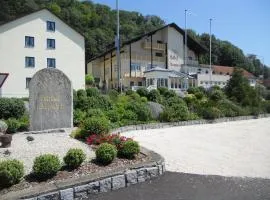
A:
(194, 44)
(172, 73)
(35, 11)
(226, 70)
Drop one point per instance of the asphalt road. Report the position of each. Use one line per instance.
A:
(180, 186)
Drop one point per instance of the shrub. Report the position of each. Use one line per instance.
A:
(13, 125)
(92, 92)
(129, 149)
(95, 113)
(89, 79)
(154, 96)
(113, 115)
(106, 153)
(81, 93)
(3, 126)
(143, 92)
(163, 90)
(95, 125)
(24, 123)
(216, 95)
(140, 109)
(11, 172)
(74, 158)
(129, 92)
(113, 94)
(11, 108)
(78, 117)
(211, 113)
(143, 99)
(266, 106)
(46, 166)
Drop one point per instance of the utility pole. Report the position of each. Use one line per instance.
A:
(118, 49)
(210, 52)
(185, 46)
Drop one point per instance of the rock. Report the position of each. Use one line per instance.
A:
(131, 177)
(155, 108)
(3, 126)
(5, 140)
(67, 194)
(105, 185)
(118, 182)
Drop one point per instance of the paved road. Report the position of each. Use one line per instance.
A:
(179, 186)
(240, 148)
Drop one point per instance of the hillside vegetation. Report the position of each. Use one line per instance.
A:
(98, 24)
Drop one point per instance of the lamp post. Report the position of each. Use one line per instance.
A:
(185, 46)
(210, 52)
(118, 48)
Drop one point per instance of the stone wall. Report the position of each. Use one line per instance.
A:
(184, 123)
(106, 184)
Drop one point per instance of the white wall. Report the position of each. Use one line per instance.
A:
(219, 80)
(69, 52)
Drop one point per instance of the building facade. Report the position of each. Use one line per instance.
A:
(37, 41)
(152, 60)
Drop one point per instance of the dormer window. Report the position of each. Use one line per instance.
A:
(50, 26)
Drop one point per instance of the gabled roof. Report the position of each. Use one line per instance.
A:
(171, 73)
(192, 43)
(21, 16)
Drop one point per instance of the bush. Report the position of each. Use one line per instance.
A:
(106, 153)
(89, 79)
(74, 158)
(113, 94)
(129, 149)
(24, 123)
(140, 109)
(46, 166)
(143, 92)
(129, 92)
(154, 96)
(92, 92)
(143, 99)
(11, 108)
(81, 93)
(78, 117)
(13, 125)
(113, 115)
(11, 172)
(211, 113)
(95, 113)
(3, 126)
(95, 125)
(163, 90)
(266, 106)
(216, 95)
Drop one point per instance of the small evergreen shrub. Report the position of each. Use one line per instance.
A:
(154, 96)
(11, 172)
(129, 149)
(89, 79)
(95, 112)
(106, 153)
(95, 125)
(81, 93)
(92, 92)
(46, 166)
(78, 117)
(211, 113)
(129, 92)
(13, 125)
(11, 108)
(143, 92)
(74, 158)
(113, 94)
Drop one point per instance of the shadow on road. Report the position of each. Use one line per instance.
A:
(180, 186)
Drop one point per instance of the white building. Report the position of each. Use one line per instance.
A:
(154, 59)
(37, 41)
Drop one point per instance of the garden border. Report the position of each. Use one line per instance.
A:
(87, 186)
(186, 123)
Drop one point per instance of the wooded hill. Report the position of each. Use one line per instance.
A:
(98, 24)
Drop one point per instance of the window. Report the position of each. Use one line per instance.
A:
(201, 82)
(29, 41)
(139, 83)
(50, 26)
(29, 62)
(27, 81)
(159, 41)
(206, 71)
(51, 62)
(131, 83)
(50, 43)
(159, 54)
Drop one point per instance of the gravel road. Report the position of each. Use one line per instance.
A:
(240, 148)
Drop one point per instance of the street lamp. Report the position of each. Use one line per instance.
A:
(210, 52)
(118, 48)
(185, 47)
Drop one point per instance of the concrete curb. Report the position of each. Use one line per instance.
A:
(185, 123)
(87, 186)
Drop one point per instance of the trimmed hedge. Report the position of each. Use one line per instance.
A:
(129, 149)
(46, 166)
(106, 153)
(95, 125)
(74, 158)
(11, 172)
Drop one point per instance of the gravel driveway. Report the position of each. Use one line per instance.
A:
(240, 148)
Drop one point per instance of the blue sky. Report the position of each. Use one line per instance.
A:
(245, 23)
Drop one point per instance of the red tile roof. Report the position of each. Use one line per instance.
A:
(226, 70)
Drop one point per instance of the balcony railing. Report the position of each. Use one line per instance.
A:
(192, 62)
(155, 46)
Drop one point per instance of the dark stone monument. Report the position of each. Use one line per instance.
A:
(50, 100)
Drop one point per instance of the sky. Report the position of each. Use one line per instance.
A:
(245, 23)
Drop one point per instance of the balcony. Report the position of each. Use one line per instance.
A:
(155, 46)
(192, 62)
